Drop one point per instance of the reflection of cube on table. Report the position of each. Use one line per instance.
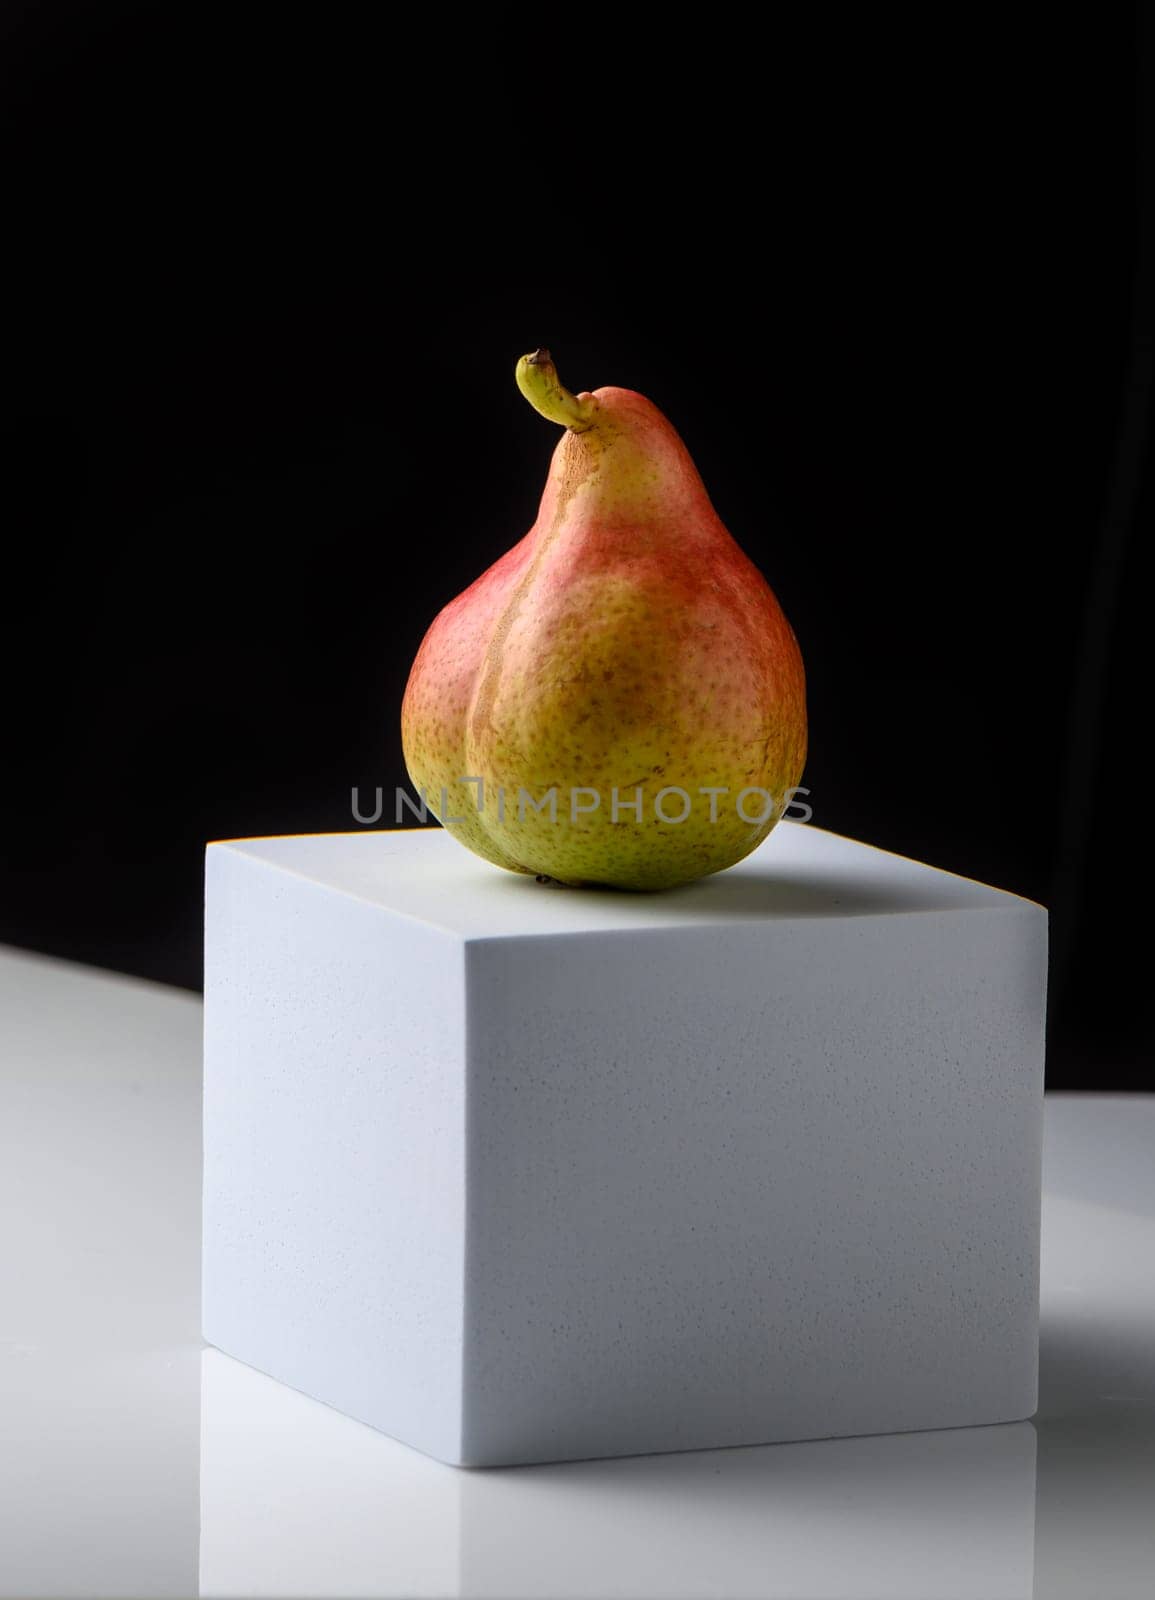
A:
(520, 1173)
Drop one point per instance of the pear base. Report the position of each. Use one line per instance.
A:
(521, 1177)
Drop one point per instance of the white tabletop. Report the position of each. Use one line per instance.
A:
(135, 1462)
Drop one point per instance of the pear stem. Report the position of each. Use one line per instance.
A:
(538, 381)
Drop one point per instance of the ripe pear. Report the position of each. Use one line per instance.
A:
(625, 656)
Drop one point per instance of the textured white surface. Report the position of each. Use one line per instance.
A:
(102, 1439)
(334, 1158)
(523, 1174)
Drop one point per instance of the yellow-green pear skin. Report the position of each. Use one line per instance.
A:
(626, 656)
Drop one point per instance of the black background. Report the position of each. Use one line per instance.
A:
(887, 271)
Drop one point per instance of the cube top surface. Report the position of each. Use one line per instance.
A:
(799, 872)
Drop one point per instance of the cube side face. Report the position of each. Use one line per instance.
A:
(744, 1185)
(334, 1148)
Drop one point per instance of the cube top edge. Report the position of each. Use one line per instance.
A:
(798, 873)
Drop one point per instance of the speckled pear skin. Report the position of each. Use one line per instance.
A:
(625, 642)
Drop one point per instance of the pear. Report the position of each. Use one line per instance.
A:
(619, 700)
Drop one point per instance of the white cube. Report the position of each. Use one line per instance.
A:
(515, 1172)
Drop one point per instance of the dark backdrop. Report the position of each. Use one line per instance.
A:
(886, 271)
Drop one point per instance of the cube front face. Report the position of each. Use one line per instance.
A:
(753, 1184)
(544, 1197)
